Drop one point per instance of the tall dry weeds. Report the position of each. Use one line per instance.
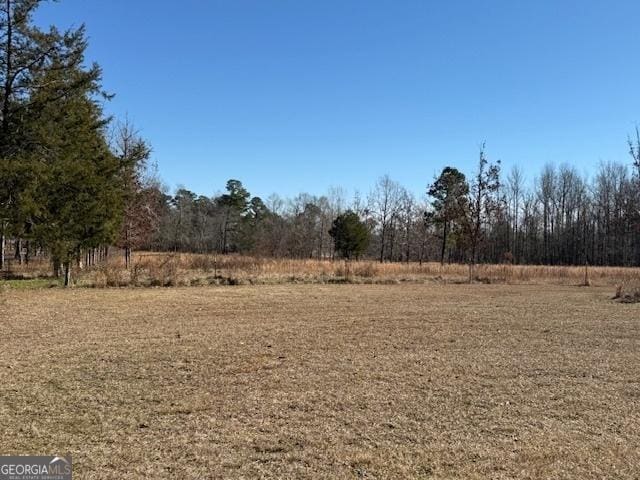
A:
(173, 269)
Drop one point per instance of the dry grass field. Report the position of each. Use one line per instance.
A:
(183, 269)
(324, 381)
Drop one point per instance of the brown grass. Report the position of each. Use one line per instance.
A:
(628, 292)
(319, 381)
(154, 269)
(168, 269)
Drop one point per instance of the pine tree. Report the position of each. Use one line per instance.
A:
(449, 199)
(350, 235)
(234, 204)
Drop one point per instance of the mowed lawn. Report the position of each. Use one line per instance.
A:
(308, 381)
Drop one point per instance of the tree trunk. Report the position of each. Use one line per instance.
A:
(408, 234)
(67, 274)
(3, 243)
(127, 257)
(18, 251)
(56, 267)
(392, 241)
(127, 248)
(422, 247)
(444, 242)
(320, 256)
(224, 234)
(384, 228)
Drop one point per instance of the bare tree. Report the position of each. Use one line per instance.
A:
(408, 220)
(482, 205)
(384, 203)
(634, 150)
(546, 196)
(140, 213)
(515, 183)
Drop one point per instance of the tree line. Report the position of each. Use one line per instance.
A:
(74, 182)
(560, 218)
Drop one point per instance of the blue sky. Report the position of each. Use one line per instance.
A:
(297, 95)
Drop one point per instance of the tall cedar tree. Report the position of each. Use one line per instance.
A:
(26, 52)
(77, 201)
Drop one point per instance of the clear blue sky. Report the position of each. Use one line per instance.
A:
(297, 95)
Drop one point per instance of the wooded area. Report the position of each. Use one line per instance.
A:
(73, 182)
(562, 219)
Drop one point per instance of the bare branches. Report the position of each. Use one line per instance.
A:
(634, 151)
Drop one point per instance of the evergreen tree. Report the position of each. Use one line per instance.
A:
(234, 204)
(26, 52)
(253, 225)
(449, 198)
(76, 202)
(350, 235)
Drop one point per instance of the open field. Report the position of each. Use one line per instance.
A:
(324, 381)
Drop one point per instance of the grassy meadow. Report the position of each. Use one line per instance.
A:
(412, 380)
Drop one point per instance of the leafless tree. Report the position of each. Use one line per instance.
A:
(140, 197)
(384, 204)
(515, 183)
(482, 205)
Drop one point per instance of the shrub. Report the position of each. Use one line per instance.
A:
(628, 292)
(366, 270)
(109, 275)
(165, 273)
(204, 263)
